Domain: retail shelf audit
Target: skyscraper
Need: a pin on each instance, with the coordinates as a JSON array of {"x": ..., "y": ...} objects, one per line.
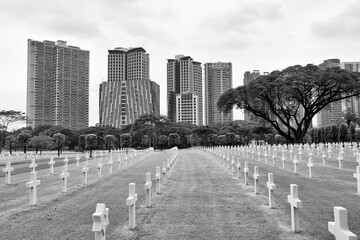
[
  {"x": 218, "y": 79},
  {"x": 248, "y": 77},
  {"x": 184, "y": 90},
  {"x": 331, "y": 114},
  {"x": 57, "y": 85},
  {"x": 129, "y": 93}
]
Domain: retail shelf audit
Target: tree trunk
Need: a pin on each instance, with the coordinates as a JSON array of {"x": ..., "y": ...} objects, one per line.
[
  {"x": 90, "y": 153},
  {"x": 58, "y": 151},
  {"x": 24, "y": 149},
  {"x": 10, "y": 145}
]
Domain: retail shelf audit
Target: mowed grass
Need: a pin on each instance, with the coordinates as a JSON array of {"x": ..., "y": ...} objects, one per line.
[{"x": 328, "y": 187}]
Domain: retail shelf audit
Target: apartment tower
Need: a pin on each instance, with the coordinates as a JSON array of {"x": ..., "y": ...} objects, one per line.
[
  {"x": 184, "y": 90},
  {"x": 57, "y": 85},
  {"x": 218, "y": 79},
  {"x": 128, "y": 93}
]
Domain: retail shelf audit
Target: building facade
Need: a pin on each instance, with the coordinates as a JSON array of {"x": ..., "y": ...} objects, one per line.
[
  {"x": 184, "y": 82},
  {"x": 129, "y": 93},
  {"x": 57, "y": 85},
  {"x": 248, "y": 77},
  {"x": 218, "y": 79}
]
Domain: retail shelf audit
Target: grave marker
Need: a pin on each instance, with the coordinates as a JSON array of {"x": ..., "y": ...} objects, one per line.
[
  {"x": 158, "y": 178},
  {"x": 51, "y": 163},
  {"x": 296, "y": 204},
  {"x": 85, "y": 170},
  {"x": 77, "y": 159},
  {"x": 357, "y": 176},
  {"x": 271, "y": 186},
  {"x": 66, "y": 161},
  {"x": 324, "y": 158},
  {"x": 256, "y": 180},
  {"x": 32, "y": 185},
  {"x": 100, "y": 221},
  {"x": 33, "y": 165},
  {"x": 148, "y": 186},
  {"x": 64, "y": 175},
  {"x": 110, "y": 165},
  {"x": 295, "y": 161},
  {"x": 246, "y": 172},
  {"x": 99, "y": 166},
  {"x": 238, "y": 167},
  {"x": 164, "y": 173},
  {"x": 7, "y": 172},
  {"x": 340, "y": 159},
  {"x": 310, "y": 164},
  {"x": 130, "y": 201},
  {"x": 339, "y": 228}
]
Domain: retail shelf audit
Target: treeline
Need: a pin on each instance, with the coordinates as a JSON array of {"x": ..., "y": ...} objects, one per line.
[
  {"x": 335, "y": 133},
  {"x": 147, "y": 131}
]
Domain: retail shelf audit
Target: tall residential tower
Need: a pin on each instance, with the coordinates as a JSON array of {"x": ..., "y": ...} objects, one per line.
[
  {"x": 184, "y": 90},
  {"x": 128, "y": 93},
  {"x": 218, "y": 79},
  {"x": 57, "y": 85}
]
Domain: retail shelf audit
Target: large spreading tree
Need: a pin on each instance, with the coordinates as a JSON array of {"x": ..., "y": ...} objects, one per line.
[
  {"x": 6, "y": 118},
  {"x": 290, "y": 98}
]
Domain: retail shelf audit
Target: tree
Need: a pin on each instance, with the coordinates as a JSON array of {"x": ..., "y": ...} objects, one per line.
[
  {"x": 290, "y": 98},
  {"x": 125, "y": 140},
  {"x": 222, "y": 140},
  {"x": 230, "y": 136},
  {"x": 343, "y": 133},
  {"x": 109, "y": 141},
  {"x": 145, "y": 141},
  {"x": 328, "y": 133},
  {"x": 10, "y": 142},
  {"x": 59, "y": 141},
  {"x": 91, "y": 142},
  {"x": 352, "y": 132},
  {"x": 41, "y": 142},
  {"x": 81, "y": 142},
  {"x": 162, "y": 141},
  {"x": 23, "y": 138},
  {"x": 349, "y": 116},
  {"x": 6, "y": 118},
  {"x": 173, "y": 140},
  {"x": 334, "y": 133}
]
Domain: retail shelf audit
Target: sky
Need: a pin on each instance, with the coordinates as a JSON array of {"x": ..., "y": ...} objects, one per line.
[{"x": 263, "y": 35}]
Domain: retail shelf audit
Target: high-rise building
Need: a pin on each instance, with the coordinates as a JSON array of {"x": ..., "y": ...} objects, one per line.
[
  {"x": 57, "y": 85},
  {"x": 218, "y": 79},
  {"x": 248, "y": 77},
  {"x": 129, "y": 93},
  {"x": 332, "y": 113},
  {"x": 352, "y": 103},
  {"x": 184, "y": 90}
]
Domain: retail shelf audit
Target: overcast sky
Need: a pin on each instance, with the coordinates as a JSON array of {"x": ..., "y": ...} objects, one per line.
[{"x": 260, "y": 35}]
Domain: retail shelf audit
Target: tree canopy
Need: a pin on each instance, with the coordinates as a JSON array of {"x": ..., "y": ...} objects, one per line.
[{"x": 290, "y": 98}]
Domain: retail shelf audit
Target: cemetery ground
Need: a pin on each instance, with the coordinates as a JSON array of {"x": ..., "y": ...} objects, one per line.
[{"x": 201, "y": 200}]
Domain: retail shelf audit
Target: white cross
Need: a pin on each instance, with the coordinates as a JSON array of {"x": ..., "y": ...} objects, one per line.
[
  {"x": 324, "y": 158},
  {"x": 77, "y": 160},
  {"x": 33, "y": 165},
  {"x": 283, "y": 162},
  {"x": 256, "y": 180},
  {"x": 64, "y": 175},
  {"x": 148, "y": 186},
  {"x": 99, "y": 166},
  {"x": 32, "y": 184},
  {"x": 339, "y": 228},
  {"x": 271, "y": 186},
  {"x": 85, "y": 170},
  {"x": 66, "y": 160},
  {"x": 158, "y": 178},
  {"x": 130, "y": 201},
  {"x": 51, "y": 163},
  {"x": 310, "y": 165},
  {"x": 295, "y": 161},
  {"x": 7, "y": 172},
  {"x": 265, "y": 157},
  {"x": 238, "y": 167},
  {"x": 295, "y": 203},
  {"x": 164, "y": 173},
  {"x": 357, "y": 176},
  {"x": 119, "y": 161},
  {"x": 246, "y": 172},
  {"x": 110, "y": 165},
  {"x": 100, "y": 221},
  {"x": 340, "y": 158}
]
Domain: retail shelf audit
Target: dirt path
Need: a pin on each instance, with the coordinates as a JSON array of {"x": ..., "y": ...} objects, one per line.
[{"x": 205, "y": 202}]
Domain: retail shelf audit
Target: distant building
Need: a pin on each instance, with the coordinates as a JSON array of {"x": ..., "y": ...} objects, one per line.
[
  {"x": 184, "y": 90},
  {"x": 353, "y": 103},
  {"x": 332, "y": 113},
  {"x": 218, "y": 79},
  {"x": 57, "y": 85},
  {"x": 129, "y": 93}
]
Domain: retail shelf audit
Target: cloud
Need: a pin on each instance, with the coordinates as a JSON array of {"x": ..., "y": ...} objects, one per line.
[{"x": 344, "y": 25}]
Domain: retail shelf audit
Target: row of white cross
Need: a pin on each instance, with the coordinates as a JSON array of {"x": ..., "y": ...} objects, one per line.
[
  {"x": 339, "y": 228},
  {"x": 34, "y": 182},
  {"x": 100, "y": 217}
]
